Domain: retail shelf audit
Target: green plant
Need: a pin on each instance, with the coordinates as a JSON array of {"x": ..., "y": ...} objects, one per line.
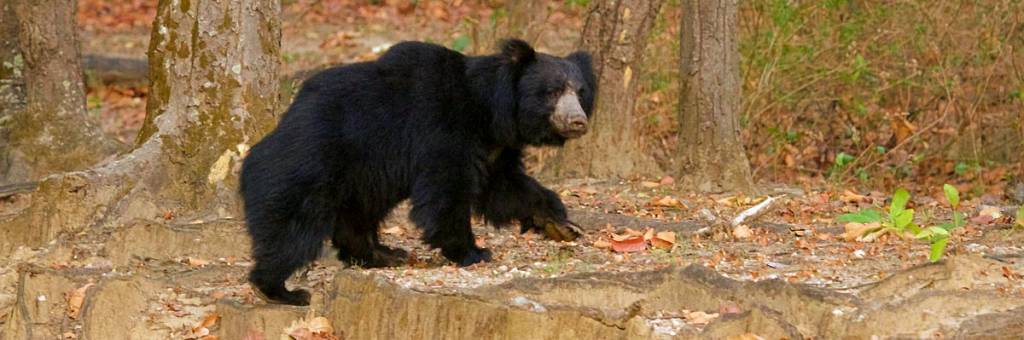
[
  {"x": 938, "y": 236},
  {"x": 900, "y": 221},
  {"x": 461, "y": 43}
]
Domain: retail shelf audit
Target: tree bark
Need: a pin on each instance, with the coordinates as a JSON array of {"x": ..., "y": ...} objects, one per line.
[
  {"x": 615, "y": 33},
  {"x": 213, "y": 68},
  {"x": 524, "y": 19},
  {"x": 710, "y": 150},
  {"x": 12, "y": 89},
  {"x": 53, "y": 132}
]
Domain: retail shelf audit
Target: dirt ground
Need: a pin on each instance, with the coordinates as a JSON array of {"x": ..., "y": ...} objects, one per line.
[
  {"x": 787, "y": 274},
  {"x": 783, "y": 280}
]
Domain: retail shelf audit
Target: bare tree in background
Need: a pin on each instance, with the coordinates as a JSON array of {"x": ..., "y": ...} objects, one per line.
[
  {"x": 213, "y": 68},
  {"x": 615, "y": 33},
  {"x": 710, "y": 149},
  {"x": 51, "y": 132}
]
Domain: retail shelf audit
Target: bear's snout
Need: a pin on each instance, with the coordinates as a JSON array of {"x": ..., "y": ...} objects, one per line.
[{"x": 569, "y": 119}]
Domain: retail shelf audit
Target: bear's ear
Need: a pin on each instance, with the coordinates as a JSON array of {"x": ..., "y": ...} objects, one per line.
[
  {"x": 585, "y": 63},
  {"x": 583, "y": 60},
  {"x": 518, "y": 51}
]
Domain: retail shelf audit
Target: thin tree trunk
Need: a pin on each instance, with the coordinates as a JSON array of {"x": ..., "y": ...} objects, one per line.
[
  {"x": 525, "y": 18},
  {"x": 53, "y": 133},
  {"x": 710, "y": 150},
  {"x": 615, "y": 33},
  {"x": 213, "y": 68}
]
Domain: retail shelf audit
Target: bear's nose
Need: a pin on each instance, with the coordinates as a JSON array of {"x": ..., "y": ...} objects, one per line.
[{"x": 578, "y": 123}]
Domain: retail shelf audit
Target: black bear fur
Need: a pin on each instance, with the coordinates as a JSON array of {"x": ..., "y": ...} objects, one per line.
[{"x": 422, "y": 122}]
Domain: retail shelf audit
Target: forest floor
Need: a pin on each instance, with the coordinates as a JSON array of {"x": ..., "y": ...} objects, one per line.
[
  {"x": 653, "y": 262},
  {"x": 789, "y": 273}
]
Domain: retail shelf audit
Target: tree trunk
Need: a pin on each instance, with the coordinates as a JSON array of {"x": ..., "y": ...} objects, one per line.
[
  {"x": 615, "y": 33},
  {"x": 525, "y": 18},
  {"x": 213, "y": 68},
  {"x": 710, "y": 150},
  {"x": 12, "y": 90},
  {"x": 53, "y": 133}
]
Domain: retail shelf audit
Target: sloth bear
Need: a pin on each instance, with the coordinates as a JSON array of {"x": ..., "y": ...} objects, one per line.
[{"x": 422, "y": 122}]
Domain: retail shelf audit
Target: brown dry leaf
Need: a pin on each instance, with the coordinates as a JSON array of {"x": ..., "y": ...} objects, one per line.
[
  {"x": 700, "y": 318},
  {"x": 649, "y": 234},
  {"x": 209, "y": 337},
  {"x": 987, "y": 215},
  {"x": 195, "y": 262},
  {"x": 587, "y": 190},
  {"x": 602, "y": 244},
  {"x": 396, "y": 230},
  {"x": 664, "y": 240},
  {"x": 647, "y": 184},
  {"x": 742, "y": 231},
  {"x": 902, "y": 129},
  {"x": 628, "y": 233},
  {"x": 628, "y": 244},
  {"x": 851, "y": 197},
  {"x": 667, "y": 180},
  {"x": 855, "y": 230},
  {"x": 75, "y": 299},
  {"x": 668, "y": 201},
  {"x": 318, "y": 328},
  {"x": 207, "y": 322}
]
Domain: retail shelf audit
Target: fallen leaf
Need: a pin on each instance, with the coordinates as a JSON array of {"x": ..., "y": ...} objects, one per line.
[
  {"x": 987, "y": 215},
  {"x": 742, "y": 231},
  {"x": 667, "y": 180},
  {"x": 208, "y": 321},
  {"x": 851, "y": 197},
  {"x": 317, "y": 328},
  {"x": 855, "y": 230},
  {"x": 628, "y": 244},
  {"x": 194, "y": 262},
  {"x": 668, "y": 201},
  {"x": 647, "y": 184},
  {"x": 700, "y": 318},
  {"x": 664, "y": 240},
  {"x": 649, "y": 234},
  {"x": 75, "y": 299},
  {"x": 602, "y": 244}
]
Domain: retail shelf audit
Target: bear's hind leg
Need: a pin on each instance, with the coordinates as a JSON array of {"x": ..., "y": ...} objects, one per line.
[
  {"x": 282, "y": 251},
  {"x": 355, "y": 236}
]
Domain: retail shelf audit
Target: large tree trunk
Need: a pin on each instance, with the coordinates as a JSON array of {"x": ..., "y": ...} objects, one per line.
[
  {"x": 710, "y": 150},
  {"x": 213, "y": 67},
  {"x": 12, "y": 89},
  {"x": 53, "y": 132},
  {"x": 615, "y": 33}
]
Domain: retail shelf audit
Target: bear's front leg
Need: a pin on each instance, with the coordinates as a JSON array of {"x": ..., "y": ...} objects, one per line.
[
  {"x": 441, "y": 208},
  {"x": 511, "y": 194}
]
